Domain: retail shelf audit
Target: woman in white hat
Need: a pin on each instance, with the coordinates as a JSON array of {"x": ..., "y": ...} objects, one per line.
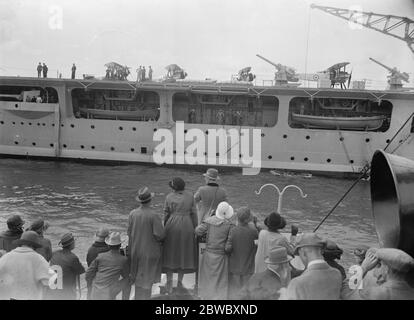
[{"x": 213, "y": 280}]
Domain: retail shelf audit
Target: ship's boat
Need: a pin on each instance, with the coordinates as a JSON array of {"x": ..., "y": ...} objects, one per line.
[
  {"x": 143, "y": 115},
  {"x": 368, "y": 123}
]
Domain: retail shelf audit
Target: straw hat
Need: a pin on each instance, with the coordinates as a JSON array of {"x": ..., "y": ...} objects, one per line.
[
  {"x": 224, "y": 211},
  {"x": 114, "y": 239}
]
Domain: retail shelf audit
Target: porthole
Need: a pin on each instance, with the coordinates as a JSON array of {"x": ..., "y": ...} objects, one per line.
[
  {"x": 206, "y": 131},
  {"x": 53, "y": 124},
  {"x": 1, "y": 122},
  {"x": 205, "y": 153},
  {"x": 240, "y": 155},
  {"x": 284, "y": 136},
  {"x": 92, "y": 126},
  {"x": 44, "y": 124},
  {"x": 64, "y": 146},
  {"x": 16, "y": 105},
  {"x": 262, "y": 135},
  {"x": 269, "y": 157},
  {"x": 92, "y": 147},
  {"x": 341, "y": 139},
  {"x": 22, "y": 123},
  {"x": 307, "y": 137},
  {"x": 72, "y": 125},
  {"x": 175, "y": 151},
  {"x": 112, "y": 148},
  {"x": 306, "y": 159},
  {"x": 33, "y": 143},
  {"x": 328, "y": 160},
  {"x": 351, "y": 161},
  {"x": 38, "y": 124},
  {"x": 134, "y": 129},
  {"x": 82, "y": 147},
  {"x": 120, "y": 128},
  {"x": 132, "y": 149},
  {"x": 62, "y": 125},
  {"x": 185, "y": 131},
  {"x": 217, "y": 154},
  {"x": 155, "y": 129},
  {"x": 13, "y": 123},
  {"x": 292, "y": 158},
  {"x": 30, "y": 123},
  {"x": 16, "y": 142},
  {"x": 388, "y": 141},
  {"x": 51, "y": 145},
  {"x": 367, "y": 140}
]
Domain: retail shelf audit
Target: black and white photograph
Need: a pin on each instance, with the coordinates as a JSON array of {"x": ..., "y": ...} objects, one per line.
[{"x": 214, "y": 153}]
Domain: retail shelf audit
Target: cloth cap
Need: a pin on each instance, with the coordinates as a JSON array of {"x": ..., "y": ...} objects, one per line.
[
  {"x": 114, "y": 239},
  {"x": 30, "y": 238},
  {"x": 332, "y": 250},
  {"x": 67, "y": 240},
  {"x": 277, "y": 255},
  {"x": 395, "y": 259},
  {"x": 309, "y": 240},
  {"x": 224, "y": 211},
  {"x": 244, "y": 214},
  {"x": 275, "y": 221},
  {"x": 177, "y": 184},
  {"x": 212, "y": 174},
  {"x": 38, "y": 225},
  {"x": 144, "y": 195},
  {"x": 15, "y": 221},
  {"x": 102, "y": 233}
]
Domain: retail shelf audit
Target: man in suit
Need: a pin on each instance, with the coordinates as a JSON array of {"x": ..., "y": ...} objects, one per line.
[
  {"x": 266, "y": 285},
  {"x": 319, "y": 281},
  {"x": 14, "y": 231}
]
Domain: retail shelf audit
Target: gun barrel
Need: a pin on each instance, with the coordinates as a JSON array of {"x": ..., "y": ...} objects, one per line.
[
  {"x": 263, "y": 58},
  {"x": 383, "y": 65}
]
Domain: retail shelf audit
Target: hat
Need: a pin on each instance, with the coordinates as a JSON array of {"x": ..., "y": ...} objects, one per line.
[
  {"x": 114, "y": 239},
  {"x": 332, "y": 250},
  {"x": 29, "y": 238},
  {"x": 15, "y": 221},
  {"x": 177, "y": 184},
  {"x": 102, "y": 233},
  {"x": 38, "y": 225},
  {"x": 67, "y": 240},
  {"x": 275, "y": 221},
  {"x": 224, "y": 210},
  {"x": 277, "y": 255},
  {"x": 309, "y": 240},
  {"x": 212, "y": 174},
  {"x": 395, "y": 259},
  {"x": 244, "y": 214},
  {"x": 144, "y": 195}
]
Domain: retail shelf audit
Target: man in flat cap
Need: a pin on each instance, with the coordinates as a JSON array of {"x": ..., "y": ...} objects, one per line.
[
  {"x": 15, "y": 229},
  {"x": 319, "y": 281},
  {"x": 392, "y": 265},
  {"x": 40, "y": 226}
]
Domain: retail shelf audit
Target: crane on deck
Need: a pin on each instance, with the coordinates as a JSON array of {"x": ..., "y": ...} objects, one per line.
[{"x": 398, "y": 27}]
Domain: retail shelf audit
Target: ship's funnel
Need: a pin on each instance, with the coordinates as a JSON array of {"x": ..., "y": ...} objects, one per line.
[{"x": 392, "y": 196}]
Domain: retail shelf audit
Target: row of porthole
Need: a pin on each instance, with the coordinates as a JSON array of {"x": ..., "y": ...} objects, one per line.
[
  {"x": 29, "y": 123},
  {"x": 307, "y": 159},
  {"x": 143, "y": 149}
]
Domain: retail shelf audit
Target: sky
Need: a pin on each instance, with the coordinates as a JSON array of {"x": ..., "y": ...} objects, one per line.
[{"x": 208, "y": 38}]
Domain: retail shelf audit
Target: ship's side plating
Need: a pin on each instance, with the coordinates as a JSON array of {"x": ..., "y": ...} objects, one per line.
[{"x": 54, "y": 129}]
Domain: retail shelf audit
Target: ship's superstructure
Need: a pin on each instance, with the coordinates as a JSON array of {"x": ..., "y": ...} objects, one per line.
[{"x": 310, "y": 129}]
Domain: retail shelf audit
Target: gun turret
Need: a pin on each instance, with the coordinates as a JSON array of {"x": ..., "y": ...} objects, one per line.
[
  {"x": 395, "y": 76},
  {"x": 283, "y": 73}
]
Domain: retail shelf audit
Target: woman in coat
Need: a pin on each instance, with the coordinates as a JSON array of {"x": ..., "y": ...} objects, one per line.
[
  {"x": 269, "y": 239},
  {"x": 179, "y": 250},
  {"x": 214, "y": 269}
]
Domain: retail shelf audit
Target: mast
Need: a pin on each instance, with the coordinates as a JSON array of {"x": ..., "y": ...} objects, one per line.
[{"x": 378, "y": 22}]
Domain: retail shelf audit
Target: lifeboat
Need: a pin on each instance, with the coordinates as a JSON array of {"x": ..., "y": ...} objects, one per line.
[{"x": 369, "y": 123}]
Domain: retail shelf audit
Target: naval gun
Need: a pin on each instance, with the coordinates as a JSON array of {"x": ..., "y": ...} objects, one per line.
[
  {"x": 283, "y": 73},
  {"x": 395, "y": 77}
]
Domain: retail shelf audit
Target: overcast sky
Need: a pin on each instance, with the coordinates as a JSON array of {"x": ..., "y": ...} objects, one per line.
[{"x": 208, "y": 38}]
